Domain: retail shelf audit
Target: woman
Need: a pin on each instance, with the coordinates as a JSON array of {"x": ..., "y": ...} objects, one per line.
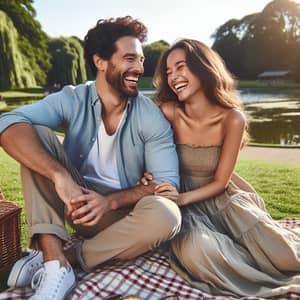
[{"x": 228, "y": 244}]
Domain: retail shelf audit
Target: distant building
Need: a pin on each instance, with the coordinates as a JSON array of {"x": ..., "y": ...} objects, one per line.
[{"x": 275, "y": 76}]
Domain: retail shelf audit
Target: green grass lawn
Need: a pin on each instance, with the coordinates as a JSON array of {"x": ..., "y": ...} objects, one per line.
[
  {"x": 277, "y": 183},
  {"x": 23, "y": 94}
]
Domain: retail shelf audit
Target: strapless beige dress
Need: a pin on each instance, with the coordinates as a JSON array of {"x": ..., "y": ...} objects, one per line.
[{"x": 229, "y": 244}]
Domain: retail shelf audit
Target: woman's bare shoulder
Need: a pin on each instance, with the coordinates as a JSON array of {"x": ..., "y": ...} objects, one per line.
[
  {"x": 168, "y": 109},
  {"x": 235, "y": 117}
]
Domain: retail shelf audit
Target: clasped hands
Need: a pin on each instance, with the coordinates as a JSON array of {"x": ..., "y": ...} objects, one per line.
[
  {"x": 163, "y": 189},
  {"x": 85, "y": 207}
]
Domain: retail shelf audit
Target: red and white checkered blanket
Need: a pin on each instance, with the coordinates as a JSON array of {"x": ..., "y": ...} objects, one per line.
[{"x": 148, "y": 276}]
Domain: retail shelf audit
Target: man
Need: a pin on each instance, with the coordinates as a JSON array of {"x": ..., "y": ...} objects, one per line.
[{"x": 113, "y": 135}]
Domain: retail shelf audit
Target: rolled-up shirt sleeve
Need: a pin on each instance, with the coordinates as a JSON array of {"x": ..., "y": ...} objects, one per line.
[
  {"x": 160, "y": 152},
  {"x": 50, "y": 112}
]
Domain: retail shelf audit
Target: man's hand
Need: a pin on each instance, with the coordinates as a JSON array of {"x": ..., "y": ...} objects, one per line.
[
  {"x": 167, "y": 190},
  {"x": 67, "y": 189},
  {"x": 92, "y": 206}
]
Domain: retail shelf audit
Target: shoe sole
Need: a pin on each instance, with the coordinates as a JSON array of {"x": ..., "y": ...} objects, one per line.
[
  {"x": 70, "y": 290},
  {"x": 18, "y": 268}
]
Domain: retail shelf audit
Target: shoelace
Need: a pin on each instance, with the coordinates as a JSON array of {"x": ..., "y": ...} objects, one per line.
[{"x": 38, "y": 280}]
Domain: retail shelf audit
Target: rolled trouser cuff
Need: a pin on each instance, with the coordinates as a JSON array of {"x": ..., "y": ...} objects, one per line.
[{"x": 36, "y": 229}]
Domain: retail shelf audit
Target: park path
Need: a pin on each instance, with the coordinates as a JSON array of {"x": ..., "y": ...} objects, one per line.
[{"x": 280, "y": 155}]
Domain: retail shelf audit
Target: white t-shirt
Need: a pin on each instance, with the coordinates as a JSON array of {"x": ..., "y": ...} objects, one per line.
[{"x": 101, "y": 163}]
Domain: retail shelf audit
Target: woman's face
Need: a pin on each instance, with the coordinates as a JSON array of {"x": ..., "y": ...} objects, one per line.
[{"x": 180, "y": 78}]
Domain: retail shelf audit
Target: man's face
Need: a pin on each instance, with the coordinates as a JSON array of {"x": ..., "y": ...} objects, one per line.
[{"x": 125, "y": 67}]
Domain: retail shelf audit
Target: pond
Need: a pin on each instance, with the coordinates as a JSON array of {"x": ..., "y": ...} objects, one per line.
[{"x": 274, "y": 116}]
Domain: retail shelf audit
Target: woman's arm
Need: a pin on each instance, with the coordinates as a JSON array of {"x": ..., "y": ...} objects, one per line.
[
  {"x": 233, "y": 134},
  {"x": 242, "y": 183}
]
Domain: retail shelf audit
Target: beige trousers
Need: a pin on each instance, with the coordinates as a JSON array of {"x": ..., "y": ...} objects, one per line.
[{"x": 120, "y": 234}]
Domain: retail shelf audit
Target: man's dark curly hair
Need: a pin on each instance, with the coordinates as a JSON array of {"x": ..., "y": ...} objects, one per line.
[{"x": 101, "y": 39}]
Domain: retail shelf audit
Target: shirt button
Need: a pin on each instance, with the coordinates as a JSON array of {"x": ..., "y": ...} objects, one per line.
[
  {"x": 93, "y": 139},
  {"x": 81, "y": 155}
]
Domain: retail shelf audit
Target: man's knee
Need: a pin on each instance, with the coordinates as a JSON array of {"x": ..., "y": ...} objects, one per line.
[
  {"x": 162, "y": 216},
  {"x": 42, "y": 131},
  {"x": 45, "y": 133}
]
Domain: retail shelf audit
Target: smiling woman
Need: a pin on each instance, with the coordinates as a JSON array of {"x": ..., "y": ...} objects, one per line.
[{"x": 226, "y": 228}]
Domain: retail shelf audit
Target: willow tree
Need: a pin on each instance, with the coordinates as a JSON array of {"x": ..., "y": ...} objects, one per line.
[
  {"x": 32, "y": 41},
  {"x": 67, "y": 59},
  {"x": 15, "y": 69}
]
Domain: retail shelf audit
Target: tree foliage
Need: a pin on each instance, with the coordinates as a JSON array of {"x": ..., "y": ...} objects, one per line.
[
  {"x": 32, "y": 41},
  {"x": 68, "y": 64},
  {"x": 15, "y": 68},
  {"x": 268, "y": 40},
  {"x": 152, "y": 53}
]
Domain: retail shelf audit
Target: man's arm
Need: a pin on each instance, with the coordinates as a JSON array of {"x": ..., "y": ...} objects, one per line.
[
  {"x": 20, "y": 141},
  {"x": 130, "y": 196},
  {"x": 160, "y": 159}
]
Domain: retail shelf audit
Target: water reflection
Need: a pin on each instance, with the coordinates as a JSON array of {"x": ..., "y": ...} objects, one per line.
[
  {"x": 275, "y": 122},
  {"x": 251, "y": 96}
]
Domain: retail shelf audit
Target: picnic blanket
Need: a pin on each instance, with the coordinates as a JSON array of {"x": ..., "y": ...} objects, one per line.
[{"x": 149, "y": 276}]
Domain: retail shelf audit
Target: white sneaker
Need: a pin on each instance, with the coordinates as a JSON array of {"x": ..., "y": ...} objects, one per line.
[
  {"x": 24, "y": 269},
  {"x": 53, "y": 282}
]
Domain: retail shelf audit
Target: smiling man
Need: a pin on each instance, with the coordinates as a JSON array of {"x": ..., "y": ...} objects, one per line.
[{"x": 113, "y": 134}]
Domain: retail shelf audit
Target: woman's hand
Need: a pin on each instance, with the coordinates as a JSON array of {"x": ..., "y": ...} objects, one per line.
[
  {"x": 167, "y": 190},
  {"x": 147, "y": 177}
]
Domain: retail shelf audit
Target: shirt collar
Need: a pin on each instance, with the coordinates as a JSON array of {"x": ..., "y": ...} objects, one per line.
[{"x": 95, "y": 97}]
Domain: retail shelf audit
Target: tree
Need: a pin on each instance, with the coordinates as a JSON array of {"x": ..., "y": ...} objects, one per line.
[
  {"x": 32, "y": 41},
  {"x": 15, "y": 69},
  {"x": 68, "y": 64},
  {"x": 228, "y": 43},
  {"x": 152, "y": 53},
  {"x": 264, "y": 41}
]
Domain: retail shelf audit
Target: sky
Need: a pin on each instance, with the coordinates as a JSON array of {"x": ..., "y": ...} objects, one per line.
[{"x": 166, "y": 20}]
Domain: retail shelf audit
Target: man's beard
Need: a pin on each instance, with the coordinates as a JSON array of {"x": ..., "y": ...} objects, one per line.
[{"x": 116, "y": 79}]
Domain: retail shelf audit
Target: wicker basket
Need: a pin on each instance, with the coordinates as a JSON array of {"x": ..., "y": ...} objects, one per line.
[{"x": 10, "y": 228}]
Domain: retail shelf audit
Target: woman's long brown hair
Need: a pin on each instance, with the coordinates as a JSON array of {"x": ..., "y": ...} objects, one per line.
[{"x": 217, "y": 82}]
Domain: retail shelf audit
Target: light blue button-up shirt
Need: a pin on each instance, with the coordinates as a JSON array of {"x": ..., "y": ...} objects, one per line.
[{"x": 145, "y": 140}]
